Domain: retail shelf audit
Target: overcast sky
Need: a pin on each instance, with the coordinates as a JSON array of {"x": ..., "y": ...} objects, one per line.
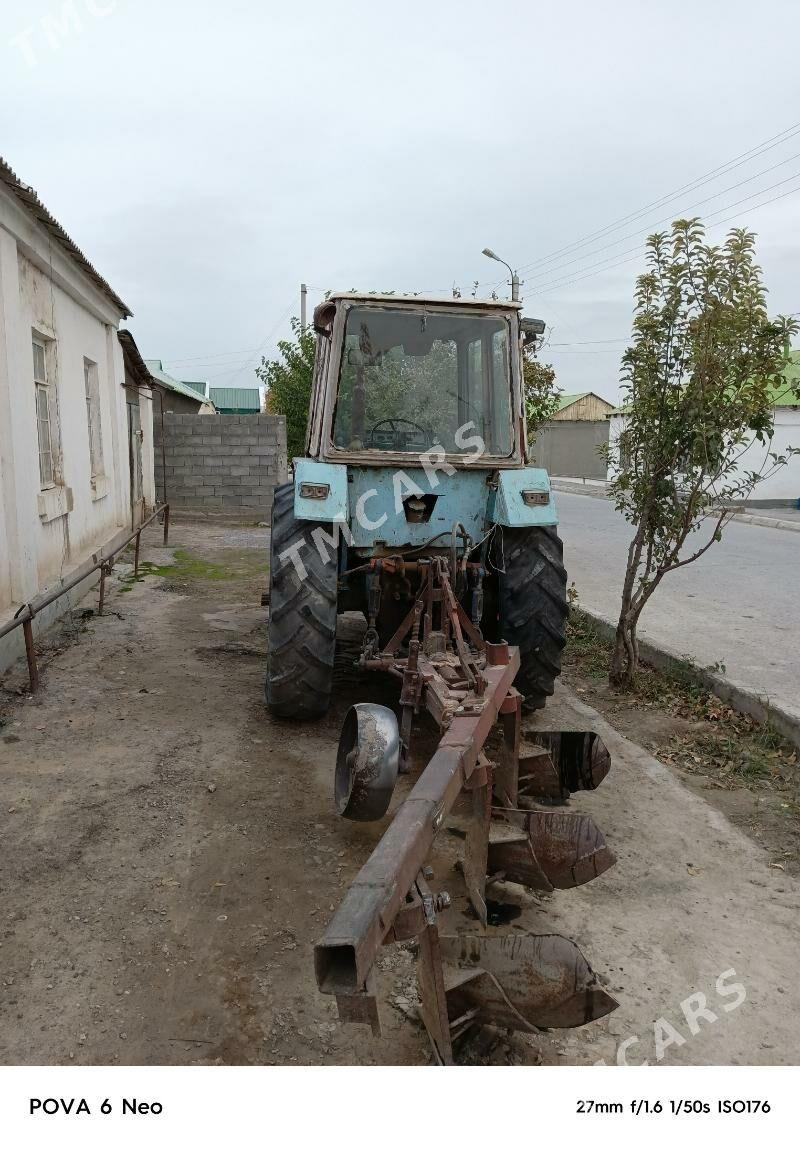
[{"x": 207, "y": 157}]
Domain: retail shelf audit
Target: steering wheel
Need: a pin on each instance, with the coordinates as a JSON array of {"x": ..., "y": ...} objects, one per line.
[{"x": 396, "y": 431}]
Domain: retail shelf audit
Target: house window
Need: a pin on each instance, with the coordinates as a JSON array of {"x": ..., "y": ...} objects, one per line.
[
  {"x": 43, "y": 415},
  {"x": 92, "y": 386}
]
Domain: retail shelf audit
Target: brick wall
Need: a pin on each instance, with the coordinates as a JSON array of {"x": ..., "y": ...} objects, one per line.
[{"x": 227, "y": 463}]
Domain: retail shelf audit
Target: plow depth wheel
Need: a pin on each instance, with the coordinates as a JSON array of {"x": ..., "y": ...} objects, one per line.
[{"x": 367, "y": 762}]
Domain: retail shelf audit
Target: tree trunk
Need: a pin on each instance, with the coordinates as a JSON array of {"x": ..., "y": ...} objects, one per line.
[{"x": 625, "y": 656}]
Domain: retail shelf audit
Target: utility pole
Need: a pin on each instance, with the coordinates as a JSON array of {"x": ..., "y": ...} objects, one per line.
[{"x": 303, "y": 294}]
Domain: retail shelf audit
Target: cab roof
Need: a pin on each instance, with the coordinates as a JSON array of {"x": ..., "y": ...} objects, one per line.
[{"x": 391, "y": 297}]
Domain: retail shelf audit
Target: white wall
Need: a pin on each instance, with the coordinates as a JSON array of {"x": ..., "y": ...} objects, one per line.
[
  {"x": 616, "y": 425},
  {"x": 783, "y": 485},
  {"x": 46, "y": 534}
]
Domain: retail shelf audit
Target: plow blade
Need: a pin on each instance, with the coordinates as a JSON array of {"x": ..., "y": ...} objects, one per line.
[
  {"x": 562, "y": 762},
  {"x": 520, "y": 981},
  {"x": 538, "y": 776},
  {"x": 545, "y": 850}
]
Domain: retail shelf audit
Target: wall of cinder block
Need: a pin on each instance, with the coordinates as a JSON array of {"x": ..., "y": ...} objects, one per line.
[{"x": 221, "y": 463}]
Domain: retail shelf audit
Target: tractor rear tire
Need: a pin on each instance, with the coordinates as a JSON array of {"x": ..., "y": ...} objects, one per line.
[
  {"x": 533, "y": 608},
  {"x": 302, "y": 618}
]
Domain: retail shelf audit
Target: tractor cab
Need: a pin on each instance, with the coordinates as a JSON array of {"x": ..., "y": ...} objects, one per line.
[{"x": 398, "y": 376}]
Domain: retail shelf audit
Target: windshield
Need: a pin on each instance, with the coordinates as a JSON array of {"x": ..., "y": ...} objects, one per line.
[{"x": 411, "y": 381}]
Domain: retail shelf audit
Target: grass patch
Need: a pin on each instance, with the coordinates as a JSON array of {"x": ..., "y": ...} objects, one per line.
[
  {"x": 188, "y": 566},
  {"x": 710, "y": 738},
  {"x": 192, "y": 568}
]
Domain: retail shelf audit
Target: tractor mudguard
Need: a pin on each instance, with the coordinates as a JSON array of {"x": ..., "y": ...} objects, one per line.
[
  {"x": 524, "y": 499},
  {"x": 320, "y": 491}
]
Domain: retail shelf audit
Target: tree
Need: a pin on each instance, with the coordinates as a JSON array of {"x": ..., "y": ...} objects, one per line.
[
  {"x": 699, "y": 383},
  {"x": 538, "y": 391},
  {"x": 288, "y": 380}
]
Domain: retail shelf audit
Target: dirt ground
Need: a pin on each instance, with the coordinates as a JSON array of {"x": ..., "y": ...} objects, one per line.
[
  {"x": 748, "y": 771},
  {"x": 170, "y": 856}
]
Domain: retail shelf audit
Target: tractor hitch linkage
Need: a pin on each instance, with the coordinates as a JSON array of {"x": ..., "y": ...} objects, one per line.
[{"x": 521, "y": 980}]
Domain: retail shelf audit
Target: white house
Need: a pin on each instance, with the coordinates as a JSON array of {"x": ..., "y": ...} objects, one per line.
[
  {"x": 780, "y": 489},
  {"x": 70, "y": 430}
]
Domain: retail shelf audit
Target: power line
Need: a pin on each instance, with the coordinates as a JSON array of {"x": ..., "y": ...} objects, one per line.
[
  {"x": 699, "y": 203},
  {"x": 610, "y": 265},
  {"x": 729, "y": 165},
  {"x": 203, "y": 369},
  {"x": 211, "y": 356},
  {"x": 236, "y": 372},
  {"x": 586, "y": 342}
]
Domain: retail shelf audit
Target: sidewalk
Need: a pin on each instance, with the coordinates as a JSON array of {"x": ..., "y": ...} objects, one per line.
[
  {"x": 783, "y": 518},
  {"x": 733, "y": 610}
]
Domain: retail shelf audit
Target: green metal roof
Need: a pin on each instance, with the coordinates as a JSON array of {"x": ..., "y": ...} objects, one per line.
[
  {"x": 198, "y": 385},
  {"x": 784, "y": 395},
  {"x": 568, "y": 400},
  {"x": 241, "y": 398},
  {"x": 156, "y": 369}
]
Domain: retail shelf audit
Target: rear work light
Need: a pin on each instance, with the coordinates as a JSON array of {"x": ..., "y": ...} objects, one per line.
[
  {"x": 536, "y": 498},
  {"x": 314, "y": 490}
]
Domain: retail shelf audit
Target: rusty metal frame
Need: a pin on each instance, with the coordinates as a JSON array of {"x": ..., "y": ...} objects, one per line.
[
  {"x": 102, "y": 563},
  {"x": 465, "y": 689},
  {"x": 466, "y": 685},
  {"x": 347, "y": 952}
]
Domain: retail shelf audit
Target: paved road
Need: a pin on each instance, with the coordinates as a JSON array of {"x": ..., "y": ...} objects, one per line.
[{"x": 738, "y": 604}]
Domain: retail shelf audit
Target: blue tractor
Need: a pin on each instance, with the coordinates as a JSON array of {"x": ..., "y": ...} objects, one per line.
[
  {"x": 416, "y": 450},
  {"x": 415, "y": 505}
]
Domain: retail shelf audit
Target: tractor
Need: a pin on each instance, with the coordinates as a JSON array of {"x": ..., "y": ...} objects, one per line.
[
  {"x": 415, "y": 505},
  {"x": 416, "y": 447}
]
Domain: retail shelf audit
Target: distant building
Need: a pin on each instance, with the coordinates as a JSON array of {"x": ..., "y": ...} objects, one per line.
[
  {"x": 582, "y": 405},
  {"x": 781, "y": 489},
  {"x": 180, "y": 396},
  {"x": 65, "y": 437},
  {"x": 236, "y": 400},
  {"x": 198, "y": 385},
  {"x": 570, "y": 444},
  {"x": 140, "y": 393}
]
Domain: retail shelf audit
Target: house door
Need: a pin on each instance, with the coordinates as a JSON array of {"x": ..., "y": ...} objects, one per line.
[{"x": 135, "y": 461}]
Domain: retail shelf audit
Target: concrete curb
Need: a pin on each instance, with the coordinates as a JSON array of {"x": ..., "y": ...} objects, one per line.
[
  {"x": 247, "y": 516},
  {"x": 741, "y": 698},
  {"x": 766, "y": 521},
  {"x": 594, "y": 490},
  {"x": 598, "y": 490}
]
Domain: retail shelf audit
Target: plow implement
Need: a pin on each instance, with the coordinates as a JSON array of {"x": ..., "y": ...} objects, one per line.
[{"x": 511, "y": 822}]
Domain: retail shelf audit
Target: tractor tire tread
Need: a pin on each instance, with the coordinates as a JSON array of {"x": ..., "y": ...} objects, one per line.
[
  {"x": 302, "y": 619},
  {"x": 533, "y": 609}
]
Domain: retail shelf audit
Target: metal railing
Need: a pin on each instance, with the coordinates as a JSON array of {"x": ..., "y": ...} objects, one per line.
[{"x": 104, "y": 563}]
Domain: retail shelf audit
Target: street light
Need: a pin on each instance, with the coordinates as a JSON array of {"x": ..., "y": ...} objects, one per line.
[{"x": 514, "y": 277}]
